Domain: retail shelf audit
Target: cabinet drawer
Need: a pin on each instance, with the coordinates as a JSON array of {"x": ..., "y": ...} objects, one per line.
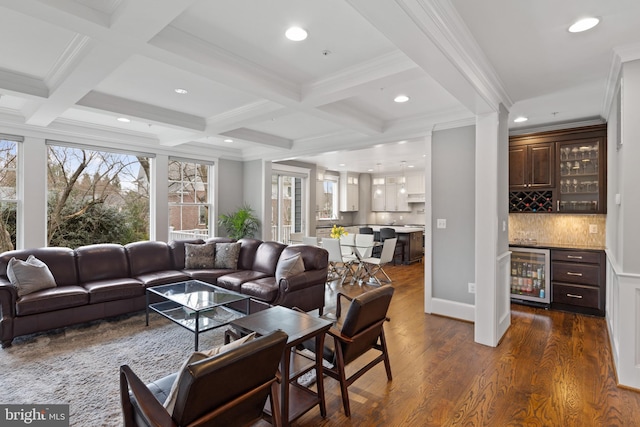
[
  {"x": 583, "y": 274},
  {"x": 576, "y": 256},
  {"x": 583, "y": 296}
]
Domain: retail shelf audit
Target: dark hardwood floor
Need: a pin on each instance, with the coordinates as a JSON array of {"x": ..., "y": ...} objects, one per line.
[{"x": 551, "y": 369}]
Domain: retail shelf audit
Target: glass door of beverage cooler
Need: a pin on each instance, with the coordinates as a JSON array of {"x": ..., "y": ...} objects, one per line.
[{"x": 530, "y": 272}]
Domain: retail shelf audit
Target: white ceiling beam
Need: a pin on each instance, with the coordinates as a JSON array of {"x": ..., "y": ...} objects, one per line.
[
  {"x": 245, "y": 115},
  {"x": 20, "y": 85},
  {"x": 143, "y": 19},
  {"x": 94, "y": 63},
  {"x": 260, "y": 138},
  {"x": 381, "y": 71},
  {"x": 431, "y": 33},
  {"x": 140, "y": 110}
]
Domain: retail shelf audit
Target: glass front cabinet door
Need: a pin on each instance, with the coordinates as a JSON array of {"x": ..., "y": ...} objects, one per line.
[{"x": 581, "y": 176}]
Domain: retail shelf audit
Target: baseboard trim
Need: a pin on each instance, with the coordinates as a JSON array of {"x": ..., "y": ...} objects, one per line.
[{"x": 453, "y": 309}]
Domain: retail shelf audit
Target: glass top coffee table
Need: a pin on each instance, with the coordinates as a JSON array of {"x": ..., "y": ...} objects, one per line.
[{"x": 196, "y": 306}]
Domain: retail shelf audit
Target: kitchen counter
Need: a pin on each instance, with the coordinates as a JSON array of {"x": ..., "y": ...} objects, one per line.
[
  {"x": 399, "y": 228},
  {"x": 556, "y": 246}
]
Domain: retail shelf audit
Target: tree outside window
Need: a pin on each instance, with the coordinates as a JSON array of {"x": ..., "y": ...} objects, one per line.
[
  {"x": 189, "y": 205},
  {"x": 8, "y": 194},
  {"x": 96, "y": 197}
]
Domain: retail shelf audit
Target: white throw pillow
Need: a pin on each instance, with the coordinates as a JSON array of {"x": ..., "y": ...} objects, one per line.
[
  {"x": 30, "y": 275},
  {"x": 289, "y": 267},
  {"x": 196, "y": 356}
]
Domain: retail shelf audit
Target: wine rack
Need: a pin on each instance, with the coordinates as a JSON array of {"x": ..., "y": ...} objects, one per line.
[{"x": 531, "y": 201}]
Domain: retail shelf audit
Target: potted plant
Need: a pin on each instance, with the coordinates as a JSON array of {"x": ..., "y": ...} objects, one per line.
[{"x": 239, "y": 224}]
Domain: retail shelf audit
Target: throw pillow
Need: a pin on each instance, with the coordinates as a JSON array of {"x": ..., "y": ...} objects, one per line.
[
  {"x": 199, "y": 256},
  {"x": 289, "y": 267},
  {"x": 30, "y": 275},
  {"x": 197, "y": 356},
  {"x": 227, "y": 255}
]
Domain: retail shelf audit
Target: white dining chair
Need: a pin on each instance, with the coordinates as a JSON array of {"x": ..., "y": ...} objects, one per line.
[
  {"x": 339, "y": 268},
  {"x": 310, "y": 240},
  {"x": 373, "y": 265}
]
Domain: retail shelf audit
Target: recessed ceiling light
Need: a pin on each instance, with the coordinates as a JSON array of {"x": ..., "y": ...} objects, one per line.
[
  {"x": 342, "y": 164},
  {"x": 296, "y": 34},
  {"x": 583, "y": 25},
  {"x": 402, "y": 142},
  {"x": 520, "y": 119},
  {"x": 228, "y": 140},
  {"x": 123, "y": 120},
  {"x": 181, "y": 91},
  {"x": 410, "y": 166},
  {"x": 401, "y": 98},
  {"x": 369, "y": 170}
]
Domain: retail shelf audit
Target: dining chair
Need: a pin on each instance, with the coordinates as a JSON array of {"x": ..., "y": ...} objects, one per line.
[
  {"x": 339, "y": 267},
  {"x": 363, "y": 249},
  {"x": 373, "y": 265},
  {"x": 365, "y": 230},
  {"x": 310, "y": 240}
]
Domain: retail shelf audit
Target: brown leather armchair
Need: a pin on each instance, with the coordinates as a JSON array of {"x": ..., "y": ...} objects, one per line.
[
  {"x": 229, "y": 389},
  {"x": 359, "y": 331}
]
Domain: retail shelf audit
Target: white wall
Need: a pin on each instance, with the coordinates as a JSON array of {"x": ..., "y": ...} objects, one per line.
[
  {"x": 623, "y": 229},
  {"x": 229, "y": 186}
]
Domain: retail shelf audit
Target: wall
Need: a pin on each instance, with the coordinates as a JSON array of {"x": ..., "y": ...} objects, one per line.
[
  {"x": 453, "y": 199},
  {"x": 256, "y": 178},
  {"x": 229, "y": 186},
  {"x": 558, "y": 229},
  {"x": 623, "y": 229}
]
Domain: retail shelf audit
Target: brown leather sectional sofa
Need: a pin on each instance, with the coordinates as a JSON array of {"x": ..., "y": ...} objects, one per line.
[{"x": 104, "y": 280}]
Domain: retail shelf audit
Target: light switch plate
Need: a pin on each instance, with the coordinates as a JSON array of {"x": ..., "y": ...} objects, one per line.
[{"x": 441, "y": 223}]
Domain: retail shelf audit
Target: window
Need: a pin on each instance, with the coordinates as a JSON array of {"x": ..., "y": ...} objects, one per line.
[
  {"x": 328, "y": 197},
  {"x": 8, "y": 193},
  {"x": 96, "y": 196},
  {"x": 189, "y": 204}
]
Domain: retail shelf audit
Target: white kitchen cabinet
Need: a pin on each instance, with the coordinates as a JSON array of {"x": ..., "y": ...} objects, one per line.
[
  {"x": 415, "y": 183},
  {"x": 377, "y": 194},
  {"x": 349, "y": 192},
  {"x": 386, "y": 194}
]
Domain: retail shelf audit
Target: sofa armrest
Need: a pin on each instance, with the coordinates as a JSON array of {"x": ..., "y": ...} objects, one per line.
[
  {"x": 303, "y": 280},
  {"x": 8, "y": 297}
]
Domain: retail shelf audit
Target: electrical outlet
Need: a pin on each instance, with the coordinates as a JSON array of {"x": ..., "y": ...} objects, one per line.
[
  {"x": 441, "y": 223},
  {"x": 472, "y": 288},
  {"x": 593, "y": 228}
]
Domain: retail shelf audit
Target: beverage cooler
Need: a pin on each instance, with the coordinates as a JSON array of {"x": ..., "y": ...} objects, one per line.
[{"x": 530, "y": 275}]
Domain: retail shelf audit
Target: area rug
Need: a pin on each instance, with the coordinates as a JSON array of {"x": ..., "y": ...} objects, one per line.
[{"x": 80, "y": 365}]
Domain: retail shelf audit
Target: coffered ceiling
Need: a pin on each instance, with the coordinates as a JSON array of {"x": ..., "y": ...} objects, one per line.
[{"x": 254, "y": 94}]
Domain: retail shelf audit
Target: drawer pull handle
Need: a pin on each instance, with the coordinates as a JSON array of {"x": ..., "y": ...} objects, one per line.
[
  {"x": 574, "y": 257},
  {"x": 574, "y": 274},
  {"x": 574, "y": 296}
]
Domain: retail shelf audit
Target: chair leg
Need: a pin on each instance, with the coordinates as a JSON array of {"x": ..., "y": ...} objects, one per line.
[
  {"x": 343, "y": 380},
  {"x": 387, "y": 364}
]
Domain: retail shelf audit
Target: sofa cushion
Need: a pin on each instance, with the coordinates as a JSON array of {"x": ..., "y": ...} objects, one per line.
[
  {"x": 162, "y": 277},
  {"x": 61, "y": 262},
  {"x": 248, "y": 248},
  {"x": 267, "y": 256},
  {"x": 148, "y": 256},
  {"x": 234, "y": 280},
  {"x": 208, "y": 275},
  {"x": 101, "y": 261},
  {"x": 199, "y": 256},
  {"x": 52, "y": 299},
  {"x": 265, "y": 289},
  {"x": 288, "y": 267},
  {"x": 113, "y": 289},
  {"x": 30, "y": 275},
  {"x": 227, "y": 255}
]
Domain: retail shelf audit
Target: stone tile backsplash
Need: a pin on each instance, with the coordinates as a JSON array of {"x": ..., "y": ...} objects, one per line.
[{"x": 558, "y": 229}]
